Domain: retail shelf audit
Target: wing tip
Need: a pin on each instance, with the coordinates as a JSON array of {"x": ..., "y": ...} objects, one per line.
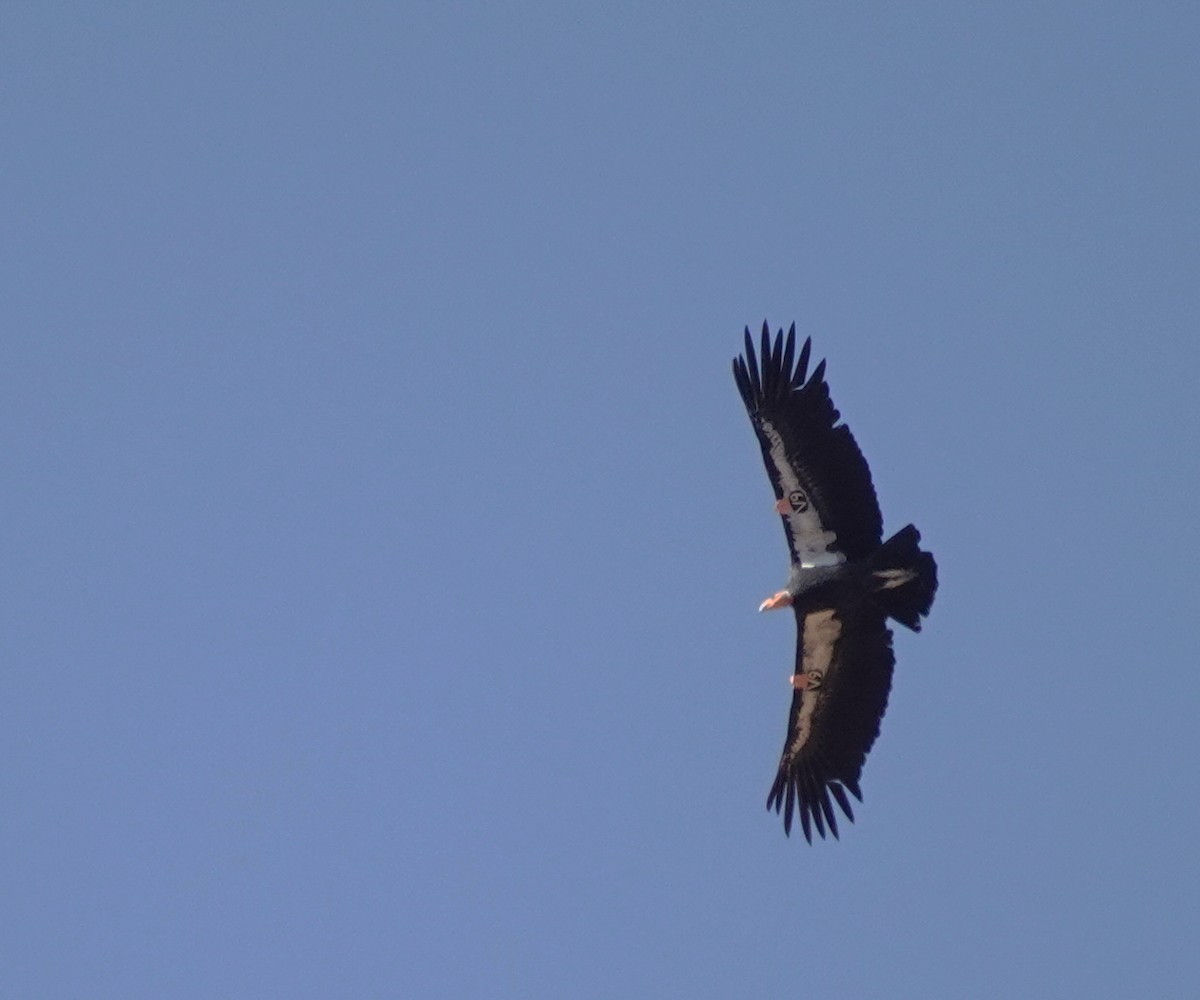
[
  {"x": 771, "y": 368},
  {"x": 807, "y": 797}
]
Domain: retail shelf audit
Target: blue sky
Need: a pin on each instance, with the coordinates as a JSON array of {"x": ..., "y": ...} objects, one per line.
[{"x": 383, "y": 532}]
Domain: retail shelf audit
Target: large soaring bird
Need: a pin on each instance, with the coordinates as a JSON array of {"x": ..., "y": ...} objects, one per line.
[{"x": 845, "y": 582}]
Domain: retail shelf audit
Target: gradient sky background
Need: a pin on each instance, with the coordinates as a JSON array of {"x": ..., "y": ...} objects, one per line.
[{"x": 383, "y": 532}]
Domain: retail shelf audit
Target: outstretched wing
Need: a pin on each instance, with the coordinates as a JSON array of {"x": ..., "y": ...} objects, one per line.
[
  {"x": 846, "y": 658},
  {"x": 813, "y": 461}
]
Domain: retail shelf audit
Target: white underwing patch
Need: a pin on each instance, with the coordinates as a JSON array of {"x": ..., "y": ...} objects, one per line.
[
  {"x": 822, "y": 630},
  {"x": 812, "y": 542}
]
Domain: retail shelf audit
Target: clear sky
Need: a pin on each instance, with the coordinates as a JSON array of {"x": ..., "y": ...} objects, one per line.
[{"x": 383, "y": 532}]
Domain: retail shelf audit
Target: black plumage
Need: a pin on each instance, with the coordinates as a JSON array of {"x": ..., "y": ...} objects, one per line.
[{"x": 843, "y": 586}]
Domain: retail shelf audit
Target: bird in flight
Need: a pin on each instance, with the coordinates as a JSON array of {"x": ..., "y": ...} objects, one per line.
[{"x": 844, "y": 586}]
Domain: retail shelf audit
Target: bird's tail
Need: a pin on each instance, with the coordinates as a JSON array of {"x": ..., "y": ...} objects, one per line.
[{"x": 905, "y": 578}]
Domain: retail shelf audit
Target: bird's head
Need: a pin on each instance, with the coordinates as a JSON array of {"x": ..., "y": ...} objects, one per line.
[{"x": 781, "y": 600}]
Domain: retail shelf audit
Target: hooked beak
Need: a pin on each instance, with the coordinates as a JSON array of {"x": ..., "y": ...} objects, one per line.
[{"x": 781, "y": 600}]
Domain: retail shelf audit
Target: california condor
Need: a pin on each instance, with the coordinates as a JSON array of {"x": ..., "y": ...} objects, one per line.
[{"x": 844, "y": 584}]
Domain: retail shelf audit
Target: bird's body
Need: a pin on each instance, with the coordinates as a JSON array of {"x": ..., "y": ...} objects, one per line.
[{"x": 844, "y": 584}]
